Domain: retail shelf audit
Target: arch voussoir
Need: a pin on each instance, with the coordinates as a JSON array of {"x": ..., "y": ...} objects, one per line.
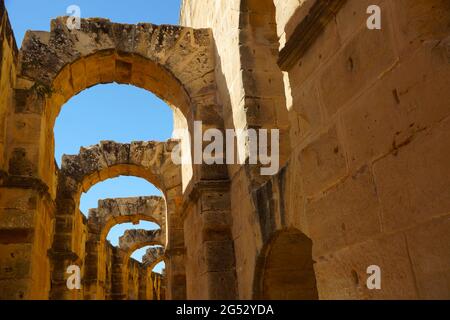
[
  {"x": 152, "y": 256},
  {"x": 138, "y": 238}
]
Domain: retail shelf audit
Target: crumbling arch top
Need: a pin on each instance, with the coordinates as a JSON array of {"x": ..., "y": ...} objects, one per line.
[
  {"x": 135, "y": 239},
  {"x": 174, "y": 62},
  {"x": 153, "y": 256},
  {"x": 111, "y": 212},
  {"x": 149, "y": 160}
]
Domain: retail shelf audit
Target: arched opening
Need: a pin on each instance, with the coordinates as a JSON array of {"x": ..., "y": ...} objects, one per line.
[
  {"x": 111, "y": 270},
  {"x": 159, "y": 267},
  {"x": 152, "y": 257},
  {"x": 106, "y": 265},
  {"x": 119, "y": 187},
  {"x": 285, "y": 270},
  {"x": 153, "y": 280},
  {"x": 175, "y": 63},
  {"x": 139, "y": 281},
  {"x": 113, "y": 112},
  {"x": 133, "y": 74}
]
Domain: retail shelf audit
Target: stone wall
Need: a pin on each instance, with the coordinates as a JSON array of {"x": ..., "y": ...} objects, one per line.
[
  {"x": 366, "y": 179},
  {"x": 26, "y": 210},
  {"x": 369, "y": 122},
  {"x": 364, "y": 130},
  {"x": 251, "y": 87},
  {"x": 8, "y": 61}
]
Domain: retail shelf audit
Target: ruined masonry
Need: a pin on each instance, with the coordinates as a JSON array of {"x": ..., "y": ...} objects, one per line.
[{"x": 364, "y": 174}]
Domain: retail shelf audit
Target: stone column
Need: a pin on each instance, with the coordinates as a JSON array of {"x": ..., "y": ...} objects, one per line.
[
  {"x": 93, "y": 287},
  {"x": 62, "y": 254},
  {"x": 175, "y": 250},
  {"x": 118, "y": 289},
  {"x": 210, "y": 262}
]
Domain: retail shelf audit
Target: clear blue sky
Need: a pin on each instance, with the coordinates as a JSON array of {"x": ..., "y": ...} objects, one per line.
[{"x": 105, "y": 112}]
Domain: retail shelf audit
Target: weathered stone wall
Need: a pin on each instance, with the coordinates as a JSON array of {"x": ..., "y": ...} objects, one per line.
[
  {"x": 369, "y": 128},
  {"x": 26, "y": 209},
  {"x": 8, "y": 61},
  {"x": 250, "y": 85},
  {"x": 367, "y": 177},
  {"x": 155, "y": 286},
  {"x": 104, "y": 288},
  {"x": 364, "y": 123},
  {"x": 133, "y": 279}
]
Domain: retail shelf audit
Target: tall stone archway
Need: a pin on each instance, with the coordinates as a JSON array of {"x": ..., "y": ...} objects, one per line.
[
  {"x": 175, "y": 63},
  {"x": 111, "y": 212},
  {"x": 155, "y": 289},
  {"x": 148, "y": 160},
  {"x": 133, "y": 240}
]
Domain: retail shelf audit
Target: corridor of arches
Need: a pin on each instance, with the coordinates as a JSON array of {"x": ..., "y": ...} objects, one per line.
[{"x": 122, "y": 113}]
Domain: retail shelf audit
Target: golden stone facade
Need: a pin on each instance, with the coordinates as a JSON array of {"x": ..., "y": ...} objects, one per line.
[{"x": 364, "y": 128}]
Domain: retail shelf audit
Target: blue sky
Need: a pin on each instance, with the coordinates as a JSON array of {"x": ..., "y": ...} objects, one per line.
[{"x": 106, "y": 112}]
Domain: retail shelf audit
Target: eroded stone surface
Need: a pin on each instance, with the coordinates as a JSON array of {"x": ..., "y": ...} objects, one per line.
[
  {"x": 364, "y": 124},
  {"x": 153, "y": 255},
  {"x": 135, "y": 239}
]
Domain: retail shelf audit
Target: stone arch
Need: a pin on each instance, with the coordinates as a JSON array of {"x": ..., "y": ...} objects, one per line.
[
  {"x": 175, "y": 63},
  {"x": 153, "y": 256},
  {"x": 131, "y": 241},
  {"x": 148, "y": 160},
  {"x": 135, "y": 239},
  {"x": 111, "y": 212},
  {"x": 285, "y": 268}
]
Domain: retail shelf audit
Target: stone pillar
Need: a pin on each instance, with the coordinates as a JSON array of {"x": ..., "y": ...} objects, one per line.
[
  {"x": 210, "y": 254},
  {"x": 62, "y": 254},
  {"x": 93, "y": 286},
  {"x": 175, "y": 250},
  {"x": 26, "y": 231},
  {"x": 118, "y": 285},
  {"x": 176, "y": 274}
]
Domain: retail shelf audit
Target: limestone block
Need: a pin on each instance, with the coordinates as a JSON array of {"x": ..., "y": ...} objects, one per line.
[
  {"x": 215, "y": 200},
  {"x": 347, "y": 214},
  {"x": 368, "y": 55},
  {"x": 372, "y": 126},
  {"x": 15, "y": 261},
  {"x": 221, "y": 285},
  {"x": 323, "y": 48},
  {"x": 14, "y": 289},
  {"x": 352, "y": 17},
  {"x": 343, "y": 274},
  {"x": 429, "y": 247},
  {"x": 218, "y": 256},
  {"x": 408, "y": 100},
  {"x": 308, "y": 108},
  {"x": 25, "y": 129},
  {"x": 419, "y": 21},
  {"x": 413, "y": 184},
  {"x": 323, "y": 162}
]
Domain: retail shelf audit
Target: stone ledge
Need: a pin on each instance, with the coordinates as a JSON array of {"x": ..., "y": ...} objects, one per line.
[{"x": 307, "y": 31}]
